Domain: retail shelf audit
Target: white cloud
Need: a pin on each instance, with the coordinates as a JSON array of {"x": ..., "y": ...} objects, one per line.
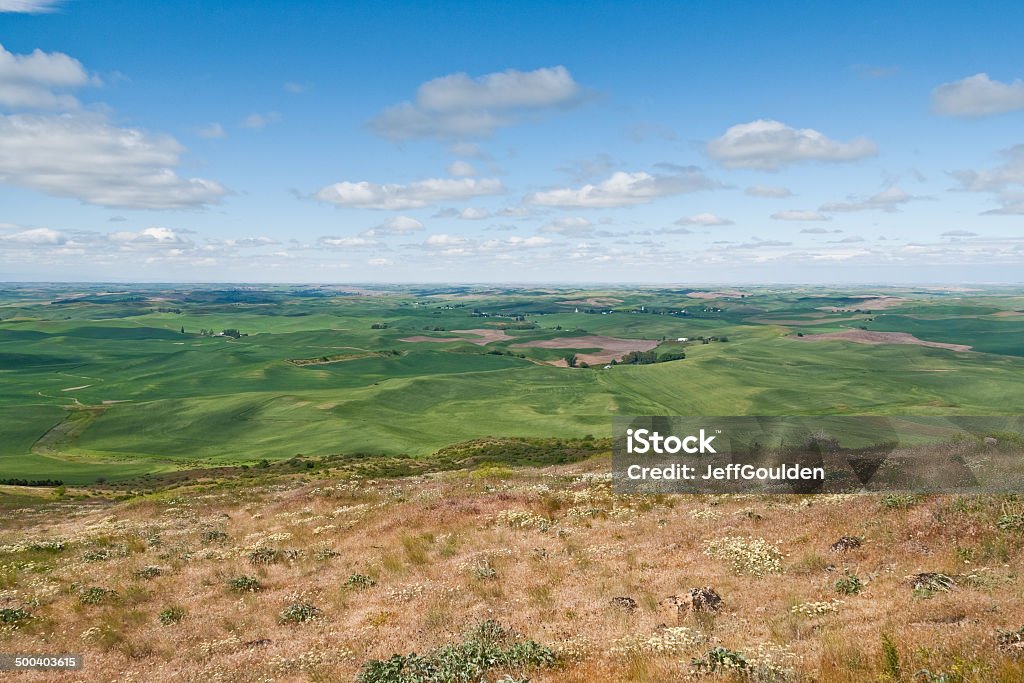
[
  {"x": 888, "y": 200},
  {"x": 575, "y": 226},
  {"x": 442, "y": 240},
  {"x": 771, "y": 191},
  {"x": 474, "y": 214},
  {"x": 150, "y": 236},
  {"x": 959, "y": 233},
  {"x": 769, "y": 145},
  {"x": 357, "y": 242},
  {"x": 29, "y": 6},
  {"x": 459, "y": 106},
  {"x": 705, "y": 219},
  {"x": 35, "y": 236},
  {"x": 85, "y": 157},
  {"x": 977, "y": 96},
  {"x": 461, "y": 169},
  {"x": 211, "y": 131},
  {"x": 381, "y": 262},
  {"x": 625, "y": 189},
  {"x": 257, "y": 121},
  {"x": 30, "y": 81},
  {"x": 366, "y": 195},
  {"x": 399, "y": 225},
  {"x": 1005, "y": 181},
  {"x": 818, "y": 231},
  {"x": 798, "y": 215}
]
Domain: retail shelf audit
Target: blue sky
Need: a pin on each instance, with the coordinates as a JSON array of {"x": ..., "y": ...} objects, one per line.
[{"x": 511, "y": 142}]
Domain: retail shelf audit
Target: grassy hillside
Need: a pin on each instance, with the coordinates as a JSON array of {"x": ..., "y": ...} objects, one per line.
[
  {"x": 320, "y": 576},
  {"x": 106, "y": 384}
]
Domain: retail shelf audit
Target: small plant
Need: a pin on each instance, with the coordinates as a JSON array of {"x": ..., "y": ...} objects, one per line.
[
  {"x": 890, "y": 657},
  {"x": 171, "y": 616},
  {"x": 14, "y": 616},
  {"x": 322, "y": 554},
  {"x": 898, "y": 501},
  {"x": 96, "y": 595},
  {"x": 720, "y": 660},
  {"x": 264, "y": 555},
  {"x": 245, "y": 584},
  {"x": 298, "y": 612},
  {"x": 752, "y": 556},
  {"x": 147, "y": 572},
  {"x": 927, "y": 584},
  {"x": 359, "y": 581},
  {"x": 483, "y": 571},
  {"x": 214, "y": 536},
  {"x": 849, "y": 584}
]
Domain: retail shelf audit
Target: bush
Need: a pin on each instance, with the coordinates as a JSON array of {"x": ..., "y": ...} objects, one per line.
[
  {"x": 850, "y": 584},
  {"x": 720, "y": 660},
  {"x": 359, "y": 581},
  {"x": 96, "y": 595},
  {"x": 214, "y": 536},
  {"x": 484, "y": 647},
  {"x": 147, "y": 572},
  {"x": 264, "y": 556},
  {"x": 14, "y": 616},
  {"x": 298, "y": 612},
  {"x": 171, "y": 615},
  {"x": 245, "y": 584}
]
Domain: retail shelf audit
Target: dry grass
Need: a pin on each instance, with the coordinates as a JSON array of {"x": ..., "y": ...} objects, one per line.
[{"x": 543, "y": 552}]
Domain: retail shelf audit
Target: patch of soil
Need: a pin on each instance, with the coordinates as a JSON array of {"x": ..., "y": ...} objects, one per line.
[
  {"x": 876, "y": 338},
  {"x": 483, "y": 337},
  {"x": 611, "y": 348}
]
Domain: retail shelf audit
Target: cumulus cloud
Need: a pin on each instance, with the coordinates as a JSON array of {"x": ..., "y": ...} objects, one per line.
[
  {"x": 87, "y": 158},
  {"x": 366, "y": 195},
  {"x": 769, "y": 145},
  {"x": 34, "y": 236},
  {"x": 357, "y": 242},
  {"x": 29, "y": 6},
  {"x": 574, "y": 226},
  {"x": 474, "y": 214},
  {"x": 818, "y": 231},
  {"x": 799, "y": 215},
  {"x": 399, "y": 225},
  {"x": 460, "y": 106},
  {"x": 977, "y": 96},
  {"x": 149, "y": 236},
  {"x": 771, "y": 191},
  {"x": 706, "y": 219},
  {"x": 887, "y": 200},
  {"x": 35, "y": 81},
  {"x": 626, "y": 189}
]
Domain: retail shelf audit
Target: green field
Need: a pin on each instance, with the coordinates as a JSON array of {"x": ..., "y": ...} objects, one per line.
[{"x": 101, "y": 381}]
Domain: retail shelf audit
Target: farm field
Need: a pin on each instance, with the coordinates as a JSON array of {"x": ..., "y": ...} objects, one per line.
[{"x": 108, "y": 383}]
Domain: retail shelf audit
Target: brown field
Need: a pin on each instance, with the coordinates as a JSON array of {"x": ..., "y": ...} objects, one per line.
[
  {"x": 715, "y": 295},
  {"x": 869, "y": 302},
  {"x": 483, "y": 337},
  {"x": 874, "y": 338},
  {"x": 603, "y": 301},
  {"x": 542, "y": 551},
  {"x": 612, "y": 348}
]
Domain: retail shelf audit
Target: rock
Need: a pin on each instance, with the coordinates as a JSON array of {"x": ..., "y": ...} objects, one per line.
[
  {"x": 845, "y": 543},
  {"x": 624, "y": 603},
  {"x": 704, "y": 599},
  {"x": 991, "y": 441}
]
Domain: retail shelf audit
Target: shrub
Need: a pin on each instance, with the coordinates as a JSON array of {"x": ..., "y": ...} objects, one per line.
[
  {"x": 96, "y": 595},
  {"x": 245, "y": 584},
  {"x": 720, "y": 660},
  {"x": 484, "y": 647},
  {"x": 752, "y": 556},
  {"x": 850, "y": 584},
  {"x": 264, "y": 556},
  {"x": 147, "y": 572},
  {"x": 14, "y": 616},
  {"x": 359, "y": 581},
  {"x": 171, "y": 615},
  {"x": 214, "y": 536},
  {"x": 298, "y": 612}
]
